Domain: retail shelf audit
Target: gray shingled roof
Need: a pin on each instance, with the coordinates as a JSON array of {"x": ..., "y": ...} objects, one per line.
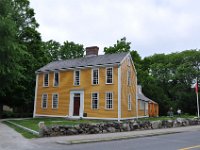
[{"x": 85, "y": 61}]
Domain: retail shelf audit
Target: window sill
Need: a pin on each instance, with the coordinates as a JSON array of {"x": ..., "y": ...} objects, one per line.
[
  {"x": 109, "y": 83},
  {"x": 45, "y": 86},
  {"x": 95, "y": 84},
  {"x": 109, "y": 109}
]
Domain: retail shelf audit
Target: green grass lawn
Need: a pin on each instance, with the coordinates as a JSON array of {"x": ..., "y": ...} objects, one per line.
[
  {"x": 165, "y": 118},
  {"x": 33, "y": 123}
]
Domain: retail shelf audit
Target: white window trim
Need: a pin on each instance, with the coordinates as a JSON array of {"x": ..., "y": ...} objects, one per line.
[
  {"x": 112, "y": 101},
  {"x": 52, "y": 100},
  {"x": 42, "y": 101},
  {"x": 44, "y": 80},
  {"x": 75, "y": 77},
  {"x": 93, "y": 74},
  {"x": 112, "y": 75},
  {"x": 129, "y": 102},
  {"x": 58, "y": 79},
  {"x": 92, "y": 101}
]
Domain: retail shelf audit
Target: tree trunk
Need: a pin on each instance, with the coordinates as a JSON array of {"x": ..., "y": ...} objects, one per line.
[{"x": 1, "y": 110}]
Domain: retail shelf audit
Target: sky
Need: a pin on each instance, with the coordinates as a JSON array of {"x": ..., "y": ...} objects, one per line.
[{"x": 152, "y": 26}]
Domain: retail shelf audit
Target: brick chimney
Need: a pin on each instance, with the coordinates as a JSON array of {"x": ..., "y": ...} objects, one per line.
[{"x": 92, "y": 51}]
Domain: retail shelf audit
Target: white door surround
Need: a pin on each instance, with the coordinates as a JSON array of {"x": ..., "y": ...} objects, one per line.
[{"x": 71, "y": 104}]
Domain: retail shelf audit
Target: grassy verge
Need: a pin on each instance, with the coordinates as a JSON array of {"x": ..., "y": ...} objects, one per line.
[
  {"x": 165, "y": 118},
  {"x": 33, "y": 123},
  {"x": 21, "y": 131}
]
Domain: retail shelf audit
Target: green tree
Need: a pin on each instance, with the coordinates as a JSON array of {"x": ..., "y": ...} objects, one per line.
[
  {"x": 53, "y": 49},
  {"x": 34, "y": 58},
  {"x": 11, "y": 52},
  {"x": 21, "y": 54},
  {"x": 70, "y": 50},
  {"x": 121, "y": 46},
  {"x": 167, "y": 79}
]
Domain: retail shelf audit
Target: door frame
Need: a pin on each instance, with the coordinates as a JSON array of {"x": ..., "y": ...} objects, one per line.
[{"x": 71, "y": 104}]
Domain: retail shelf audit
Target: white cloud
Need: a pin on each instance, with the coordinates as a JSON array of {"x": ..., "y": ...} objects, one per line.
[{"x": 153, "y": 26}]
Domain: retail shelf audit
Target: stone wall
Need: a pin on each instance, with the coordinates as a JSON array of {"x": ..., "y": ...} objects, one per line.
[{"x": 109, "y": 127}]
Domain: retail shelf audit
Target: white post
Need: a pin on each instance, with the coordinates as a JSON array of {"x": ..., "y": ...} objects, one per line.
[
  {"x": 198, "y": 103},
  {"x": 197, "y": 97}
]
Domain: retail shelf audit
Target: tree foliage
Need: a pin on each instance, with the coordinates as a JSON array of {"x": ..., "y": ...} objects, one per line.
[
  {"x": 70, "y": 50},
  {"x": 121, "y": 46},
  {"x": 167, "y": 79}
]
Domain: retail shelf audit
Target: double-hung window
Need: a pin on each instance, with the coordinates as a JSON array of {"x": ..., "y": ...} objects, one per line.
[
  {"x": 46, "y": 80},
  {"x": 44, "y": 100},
  {"x": 56, "y": 79},
  {"x": 77, "y": 77},
  {"x": 95, "y": 100},
  {"x": 109, "y": 75},
  {"x": 95, "y": 76},
  {"x": 109, "y": 100},
  {"x": 129, "y": 102},
  {"x": 129, "y": 78},
  {"x": 55, "y": 101}
]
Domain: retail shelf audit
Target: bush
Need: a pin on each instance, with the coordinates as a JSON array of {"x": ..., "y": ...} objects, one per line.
[{"x": 7, "y": 114}]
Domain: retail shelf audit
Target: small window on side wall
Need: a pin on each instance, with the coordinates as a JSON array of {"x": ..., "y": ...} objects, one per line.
[
  {"x": 46, "y": 80},
  {"x": 129, "y": 102},
  {"x": 129, "y": 62},
  {"x": 129, "y": 77}
]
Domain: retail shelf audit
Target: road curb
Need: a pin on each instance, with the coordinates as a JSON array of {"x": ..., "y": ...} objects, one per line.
[{"x": 131, "y": 136}]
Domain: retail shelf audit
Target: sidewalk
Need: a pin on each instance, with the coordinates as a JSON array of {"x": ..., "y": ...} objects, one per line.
[
  {"x": 12, "y": 140},
  {"x": 78, "y": 139}
]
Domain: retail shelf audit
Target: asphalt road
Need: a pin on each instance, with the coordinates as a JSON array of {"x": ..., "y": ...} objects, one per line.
[
  {"x": 163, "y": 142},
  {"x": 11, "y": 140}
]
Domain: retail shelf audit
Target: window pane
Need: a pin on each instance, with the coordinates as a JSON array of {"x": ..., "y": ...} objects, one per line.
[
  {"x": 55, "y": 100},
  {"x": 109, "y": 100},
  {"x": 95, "y": 100},
  {"x": 129, "y": 102},
  {"x": 56, "y": 79},
  {"x": 44, "y": 101},
  {"x": 109, "y": 75},
  {"x": 77, "y": 78},
  {"x": 95, "y": 76},
  {"x": 46, "y": 79}
]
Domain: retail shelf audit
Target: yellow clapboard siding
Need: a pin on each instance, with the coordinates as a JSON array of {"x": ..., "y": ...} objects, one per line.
[
  {"x": 66, "y": 85},
  {"x": 128, "y": 90}
]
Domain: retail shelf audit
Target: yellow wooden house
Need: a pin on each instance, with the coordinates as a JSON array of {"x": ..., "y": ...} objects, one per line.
[{"x": 92, "y": 87}]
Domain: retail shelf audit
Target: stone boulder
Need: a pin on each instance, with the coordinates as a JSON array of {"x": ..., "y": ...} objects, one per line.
[{"x": 156, "y": 124}]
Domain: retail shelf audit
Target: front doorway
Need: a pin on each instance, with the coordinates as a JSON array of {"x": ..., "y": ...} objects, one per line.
[{"x": 76, "y": 106}]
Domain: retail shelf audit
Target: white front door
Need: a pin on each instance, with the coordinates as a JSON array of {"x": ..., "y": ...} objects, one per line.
[{"x": 76, "y": 106}]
